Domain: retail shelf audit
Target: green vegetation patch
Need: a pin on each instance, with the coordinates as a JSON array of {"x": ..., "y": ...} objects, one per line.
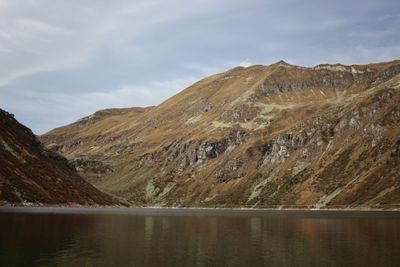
[
  {"x": 167, "y": 189},
  {"x": 258, "y": 189},
  {"x": 151, "y": 190},
  {"x": 275, "y": 192},
  {"x": 10, "y": 150}
]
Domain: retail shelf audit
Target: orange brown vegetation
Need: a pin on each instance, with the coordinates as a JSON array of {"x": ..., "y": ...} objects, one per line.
[
  {"x": 262, "y": 136},
  {"x": 32, "y": 175}
]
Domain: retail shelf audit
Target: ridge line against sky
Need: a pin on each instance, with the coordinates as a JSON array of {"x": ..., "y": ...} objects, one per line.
[{"x": 62, "y": 60}]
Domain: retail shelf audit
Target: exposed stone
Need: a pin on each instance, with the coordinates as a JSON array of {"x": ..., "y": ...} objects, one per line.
[
  {"x": 230, "y": 171},
  {"x": 95, "y": 166},
  {"x": 277, "y": 150},
  {"x": 305, "y": 153}
]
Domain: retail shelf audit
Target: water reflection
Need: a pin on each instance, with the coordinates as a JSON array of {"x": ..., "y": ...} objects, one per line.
[{"x": 126, "y": 240}]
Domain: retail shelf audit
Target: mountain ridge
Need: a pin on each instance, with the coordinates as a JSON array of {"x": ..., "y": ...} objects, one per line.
[{"x": 256, "y": 136}]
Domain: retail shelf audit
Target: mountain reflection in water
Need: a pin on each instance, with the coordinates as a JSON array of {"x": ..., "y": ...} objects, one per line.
[{"x": 198, "y": 238}]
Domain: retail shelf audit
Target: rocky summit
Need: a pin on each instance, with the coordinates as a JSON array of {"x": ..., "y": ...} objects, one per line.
[
  {"x": 261, "y": 136},
  {"x": 32, "y": 175}
]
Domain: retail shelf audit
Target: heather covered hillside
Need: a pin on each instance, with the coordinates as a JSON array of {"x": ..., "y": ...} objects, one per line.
[
  {"x": 260, "y": 136},
  {"x": 32, "y": 175}
]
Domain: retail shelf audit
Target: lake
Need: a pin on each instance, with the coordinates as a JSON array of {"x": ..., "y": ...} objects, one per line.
[{"x": 182, "y": 237}]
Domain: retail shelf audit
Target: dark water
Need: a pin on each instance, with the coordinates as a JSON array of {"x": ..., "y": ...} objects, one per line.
[{"x": 61, "y": 237}]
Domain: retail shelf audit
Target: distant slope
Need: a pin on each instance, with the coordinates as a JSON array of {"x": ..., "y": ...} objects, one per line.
[
  {"x": 261, "y": 136},
  {"x": 29, "y": 174}
]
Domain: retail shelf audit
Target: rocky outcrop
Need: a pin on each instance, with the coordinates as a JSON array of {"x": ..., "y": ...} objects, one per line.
[
  {"x": 93, "y": 166},
  {"x": 333, "y": 77},
  {"x": 277, "y": 150}
]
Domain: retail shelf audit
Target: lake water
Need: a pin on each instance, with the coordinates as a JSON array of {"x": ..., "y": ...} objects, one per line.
[{"x": 170, "y": 237}]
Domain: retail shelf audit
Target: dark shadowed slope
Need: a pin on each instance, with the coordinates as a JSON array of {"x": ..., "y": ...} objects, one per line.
[{"x": 31, "y": 174}]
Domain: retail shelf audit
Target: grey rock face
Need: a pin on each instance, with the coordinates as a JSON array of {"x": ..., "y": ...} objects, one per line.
[
  {"x": 240, "y": 113},
  {"x": 324, "y": 79},
  {"x": 375, "y": 132},
  {"x": 279, "y": 149},
  {"x": 329, "y": 77},
  {"x": 230, "y": 171},
  {"x": 387, "y": 74},
  {"x": 85, "y": 164}
]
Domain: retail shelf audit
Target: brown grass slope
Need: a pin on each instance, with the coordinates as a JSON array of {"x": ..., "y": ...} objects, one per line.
[
  {"x": 29, "y": 174},
  {"x": 261, "y": 136}
]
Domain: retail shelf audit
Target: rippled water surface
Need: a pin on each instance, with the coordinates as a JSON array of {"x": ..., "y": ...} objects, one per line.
[{"x": 159, "y": 237}]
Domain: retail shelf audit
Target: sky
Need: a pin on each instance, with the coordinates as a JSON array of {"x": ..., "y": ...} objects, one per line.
[{"x": 63, "y": 60}]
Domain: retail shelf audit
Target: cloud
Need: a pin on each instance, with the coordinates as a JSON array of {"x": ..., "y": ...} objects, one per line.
[
  {"x": 364, "y": 55},
  {"x": 207, "y": 70},
  {"x": 50, "y": 36},
  {"x": 31, "y": 45},
  {"x": 61, "y": 60},
  {"x": 46, "y": 110},
  {"x": 151, "y": 93}
]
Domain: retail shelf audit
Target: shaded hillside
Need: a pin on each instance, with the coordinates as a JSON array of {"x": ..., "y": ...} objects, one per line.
[
  {"x": 261, "y": 136},
  {"x": 31, "y": 174}
]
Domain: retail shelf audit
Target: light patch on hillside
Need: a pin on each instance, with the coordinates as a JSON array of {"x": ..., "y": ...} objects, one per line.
[
  {"x": 258, "y": 189},
  {"x": 151, "y": 190},
  {"x": 193, "y": 120},
  {"x": 324, "y": 200},
  {"x": 299, "y": 167},
  {"x": 243, "y": 98},
  {"x": 249, "y": 125},
  {"x": 266, "y": 108},
  {"x": 10, "y": 150},
  {"x": 220, "y": 124},
  {"x": 94, "y": 149},
  {"x": 266, "y": 116},
  {"x": 398, "y": 84},
  {"x": 166, "y": 190},
  {"x": 210, "y": 198}
]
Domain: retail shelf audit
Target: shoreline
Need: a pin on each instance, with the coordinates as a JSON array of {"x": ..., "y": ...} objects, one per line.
[{"x": 198, "y": 211}]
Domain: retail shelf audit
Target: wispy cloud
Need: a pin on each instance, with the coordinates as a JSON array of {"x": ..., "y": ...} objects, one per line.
[
  {"x": 45, "y": 109},
  {"x": 51, "y": 36}
]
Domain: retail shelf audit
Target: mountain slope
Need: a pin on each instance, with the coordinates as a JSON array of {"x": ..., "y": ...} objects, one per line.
[
  {"x": 31, "y": 174},
  {"x": 260, "y": 136}
]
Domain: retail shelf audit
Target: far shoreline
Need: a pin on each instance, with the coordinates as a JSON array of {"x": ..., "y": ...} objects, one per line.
[{"x": 199, "y": 211}]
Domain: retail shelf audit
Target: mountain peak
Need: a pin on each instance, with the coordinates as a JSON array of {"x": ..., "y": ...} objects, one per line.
[{"x": 282, "y": 62}]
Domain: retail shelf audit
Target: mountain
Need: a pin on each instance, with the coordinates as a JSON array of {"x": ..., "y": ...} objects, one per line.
[
  {"x": 261, "y": 136},
  {"x": 30, "y": 174}
]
